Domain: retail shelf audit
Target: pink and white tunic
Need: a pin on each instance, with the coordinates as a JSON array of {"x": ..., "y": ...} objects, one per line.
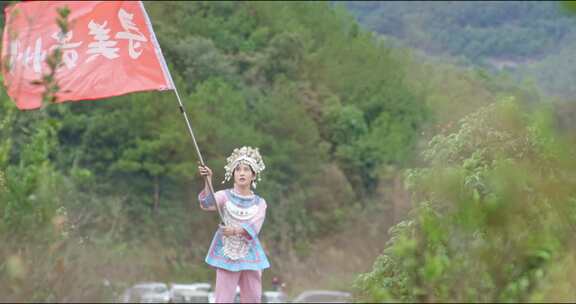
[{"x": 242, "y": 252}]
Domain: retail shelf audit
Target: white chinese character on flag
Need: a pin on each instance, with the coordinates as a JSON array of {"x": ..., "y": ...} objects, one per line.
[
  {"x": 134, "y": 39},
  {"x": 69, "y": 55},
  {"x": 37, "y": 57},
  {"x": 13, "y": 55},
  {"x": 102, "y": 46}
]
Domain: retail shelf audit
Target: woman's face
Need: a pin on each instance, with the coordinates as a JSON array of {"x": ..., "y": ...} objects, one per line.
[{"x": 243, "y": 175}]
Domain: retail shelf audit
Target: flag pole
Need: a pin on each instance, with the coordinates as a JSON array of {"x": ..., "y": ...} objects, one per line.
[
  {"x": 168, "y": 77},
  {"x": 206, "y": 179}
]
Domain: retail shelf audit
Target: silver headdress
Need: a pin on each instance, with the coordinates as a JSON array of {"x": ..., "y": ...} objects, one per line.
[{"x": 245, "y": 155}]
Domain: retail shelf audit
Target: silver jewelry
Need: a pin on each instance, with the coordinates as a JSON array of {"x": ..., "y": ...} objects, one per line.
[
  {"x": 239, "y": 213},
  {"x": 247, "y": 156},
  {"x": 237, "y": 246}
]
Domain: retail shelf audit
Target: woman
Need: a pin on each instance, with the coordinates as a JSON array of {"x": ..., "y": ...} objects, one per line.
[{"x": 236, "y": 252}]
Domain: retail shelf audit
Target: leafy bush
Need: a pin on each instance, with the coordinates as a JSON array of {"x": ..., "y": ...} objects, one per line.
[{"x": 495, "y": 211}]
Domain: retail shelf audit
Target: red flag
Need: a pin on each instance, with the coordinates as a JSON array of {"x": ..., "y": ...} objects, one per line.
[{"x": 110, "y": 50}]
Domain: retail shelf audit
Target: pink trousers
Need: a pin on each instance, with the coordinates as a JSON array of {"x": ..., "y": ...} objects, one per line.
[{"x": 249, "y": 281}]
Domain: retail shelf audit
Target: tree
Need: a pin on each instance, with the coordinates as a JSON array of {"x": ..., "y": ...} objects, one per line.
[{"x": 494, "y": 213}]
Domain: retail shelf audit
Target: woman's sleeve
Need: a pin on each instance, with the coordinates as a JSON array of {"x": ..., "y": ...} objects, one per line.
[{"x": 208, "y": 200}]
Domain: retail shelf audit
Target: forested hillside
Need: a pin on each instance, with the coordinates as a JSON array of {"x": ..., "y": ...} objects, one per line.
[
  {"x": 105, "y": 190},
  {"x": 529, "y": 40}
]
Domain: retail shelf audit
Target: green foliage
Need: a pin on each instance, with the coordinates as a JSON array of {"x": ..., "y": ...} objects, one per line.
[
  {"x": 201, "y": 60},
  {"x": 316, "y": 48},
  {"x": 569, "y": 6},
  {"x": 26, "y": 201},
  {"x": 34, "y": 218},
  {"x": 495, "y": 212}
]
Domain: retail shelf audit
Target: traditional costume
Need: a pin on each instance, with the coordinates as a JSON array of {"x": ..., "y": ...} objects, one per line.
[{"x": 238, "y": 259}]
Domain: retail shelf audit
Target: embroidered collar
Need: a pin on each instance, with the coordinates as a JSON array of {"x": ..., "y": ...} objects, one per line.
[{"x": 242, "y": 200}]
